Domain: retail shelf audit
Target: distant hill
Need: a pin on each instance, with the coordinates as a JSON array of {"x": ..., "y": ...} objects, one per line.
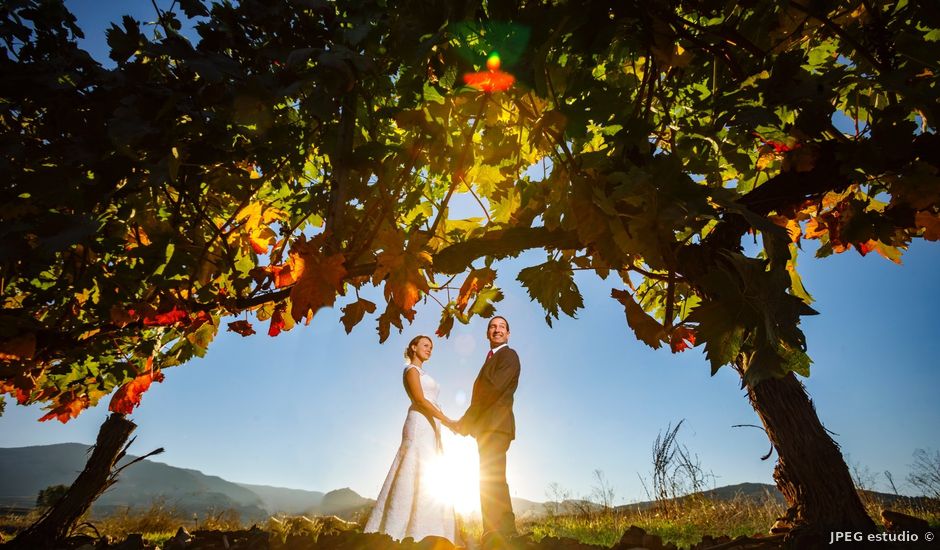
[
  {"x": 287, "y": 501},
  {"x": 758, "y": 492},
  {"x": 344, "y": 503},
  {"x": 26, "y": 470}
]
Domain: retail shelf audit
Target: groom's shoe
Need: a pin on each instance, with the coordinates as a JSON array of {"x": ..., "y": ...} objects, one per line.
[{"x": 493, "y": 540}]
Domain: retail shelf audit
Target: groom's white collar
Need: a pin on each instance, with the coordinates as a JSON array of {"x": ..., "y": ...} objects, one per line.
[{"x": 499, "y": 347}]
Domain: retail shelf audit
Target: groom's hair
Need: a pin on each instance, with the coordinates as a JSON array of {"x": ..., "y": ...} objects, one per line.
[{"x": 495, "y": 317}]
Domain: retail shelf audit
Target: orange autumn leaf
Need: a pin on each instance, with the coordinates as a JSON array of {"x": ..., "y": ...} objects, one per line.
[
  {"x": 128, "y": 396},
  {"x": 815, "y": 228},
  {"x": 319, "y": 280},
  {"x": 791, "y": 225},
  {"x": 69, "y": 406},
  {"x": 283, "y": 275},
  {"x": 401, "y": 271},
  {"x": 241, "y": 327},
  {"x": 21, "y": 386},
  {"x": 682, "y": 339},
  {"x": 476, "y": 281}
]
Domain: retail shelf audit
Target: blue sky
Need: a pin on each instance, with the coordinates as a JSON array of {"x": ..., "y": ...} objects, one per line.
[{"x": 317, "y": 409}]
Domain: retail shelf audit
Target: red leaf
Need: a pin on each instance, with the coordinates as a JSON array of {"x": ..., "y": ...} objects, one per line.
[
  {"x": 277, "y": 323},
  {"x": 69, "y": 407},
  {"x": 172, "y": 317},
  {"x": 128, "y": 396},
  {"x": 241, "y": 327},
  {"x": 22, "y": 396},
  {"x": 866, "y": 247},
  {"x": 682, "y": 339}
]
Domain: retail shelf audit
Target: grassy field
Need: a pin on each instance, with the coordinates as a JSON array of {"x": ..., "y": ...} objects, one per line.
[{"x": 683, "y": 524}]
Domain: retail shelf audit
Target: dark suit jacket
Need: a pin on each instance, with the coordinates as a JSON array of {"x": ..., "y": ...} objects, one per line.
[{"x": 491, "y": 403}]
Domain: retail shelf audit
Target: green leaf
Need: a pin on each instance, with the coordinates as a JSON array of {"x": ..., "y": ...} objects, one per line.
[
  {"x": 718, "y": 330},
  {"x": 552, "y": 285},
  {"x": 431, "y": 95},
  {"x": 483, "y": 304}
]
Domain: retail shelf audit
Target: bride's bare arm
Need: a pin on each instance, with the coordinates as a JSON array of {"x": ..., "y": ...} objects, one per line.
[{"x": 413, "y": 380}]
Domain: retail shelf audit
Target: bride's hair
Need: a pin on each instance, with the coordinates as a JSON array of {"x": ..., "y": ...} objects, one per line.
[{"x": 409, "y": 354}]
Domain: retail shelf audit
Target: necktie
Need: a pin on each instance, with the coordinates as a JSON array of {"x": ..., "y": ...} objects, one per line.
[{"x": 489, "y": 355}]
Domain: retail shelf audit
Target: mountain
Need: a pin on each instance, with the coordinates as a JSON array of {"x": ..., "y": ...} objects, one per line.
[
  {"x": 287, "y": 501},
  {"x": 26, "y": 470},
  {"x": 344, "y": 503}
]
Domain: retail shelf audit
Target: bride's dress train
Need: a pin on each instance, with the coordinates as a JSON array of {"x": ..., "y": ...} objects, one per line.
[{"x": 407, "y": 505}]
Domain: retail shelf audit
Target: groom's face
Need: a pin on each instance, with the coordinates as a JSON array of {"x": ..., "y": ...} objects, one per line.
[{"x": 497, "y": 332}]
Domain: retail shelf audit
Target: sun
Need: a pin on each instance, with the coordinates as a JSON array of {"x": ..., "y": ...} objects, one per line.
[{"x": 455, "y": 475}]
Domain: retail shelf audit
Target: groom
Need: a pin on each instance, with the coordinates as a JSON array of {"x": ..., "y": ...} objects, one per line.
[{"x": 489, "y": 419}]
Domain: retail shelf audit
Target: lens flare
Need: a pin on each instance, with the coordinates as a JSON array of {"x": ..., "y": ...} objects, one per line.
[
  {"x": 455, "y": 476},
  {"x": 492, "y": 80},
  {"x": 492, "y": 62}
]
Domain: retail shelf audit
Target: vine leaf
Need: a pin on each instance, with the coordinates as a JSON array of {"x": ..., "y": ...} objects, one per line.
[
  {"x": 69, "y": 406},
  {"x": 319, "y": 279},
  {"x": 717, "y": 329},
  {"x": 128, "y": 396},
  {"x": 682, "y": 338},
  {"x": 551, "y": 284},
  {"x": 241, "y": 327},
  {"x": 647, "y": 329},
  {"x": 404, "y": 281},
  {"x": 354, "y": 312},
  {"x": 477, "y": 280}
]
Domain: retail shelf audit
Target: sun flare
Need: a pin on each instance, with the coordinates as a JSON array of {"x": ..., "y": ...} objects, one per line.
[{"x": 455, "y": 475}]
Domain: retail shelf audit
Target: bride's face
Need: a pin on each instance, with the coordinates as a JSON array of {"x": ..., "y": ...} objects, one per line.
[{"x": 423, "y": 349}]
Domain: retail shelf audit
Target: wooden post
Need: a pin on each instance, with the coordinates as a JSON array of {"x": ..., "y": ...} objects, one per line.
[{"x": 55, "y": 525}]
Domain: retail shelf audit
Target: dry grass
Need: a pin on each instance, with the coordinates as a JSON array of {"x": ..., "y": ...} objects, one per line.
[
  {"x": 683, "y": 524},
  {"x": 157, "y": 523}
]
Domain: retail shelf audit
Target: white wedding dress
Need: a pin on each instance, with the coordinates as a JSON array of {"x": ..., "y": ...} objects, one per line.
[{"x": 408, "y": 505}]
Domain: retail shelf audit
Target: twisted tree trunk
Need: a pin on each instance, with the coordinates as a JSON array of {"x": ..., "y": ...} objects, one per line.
[
  {"x": 811, "y": 472},
  {"x": 55, "y": 525}
]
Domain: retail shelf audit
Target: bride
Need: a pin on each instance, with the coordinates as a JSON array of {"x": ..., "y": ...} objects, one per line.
[{"x": 407, "y": 505}]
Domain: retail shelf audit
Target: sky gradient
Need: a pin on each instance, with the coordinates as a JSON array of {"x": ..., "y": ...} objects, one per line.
[{"x": 317, "y": 409}]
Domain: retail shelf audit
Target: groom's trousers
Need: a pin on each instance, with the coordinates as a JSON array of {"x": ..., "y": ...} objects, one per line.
[{"x": 495, "y": 505}]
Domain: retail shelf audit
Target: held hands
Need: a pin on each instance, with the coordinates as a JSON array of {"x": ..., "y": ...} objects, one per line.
[{"x": 455, "y": 426}]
